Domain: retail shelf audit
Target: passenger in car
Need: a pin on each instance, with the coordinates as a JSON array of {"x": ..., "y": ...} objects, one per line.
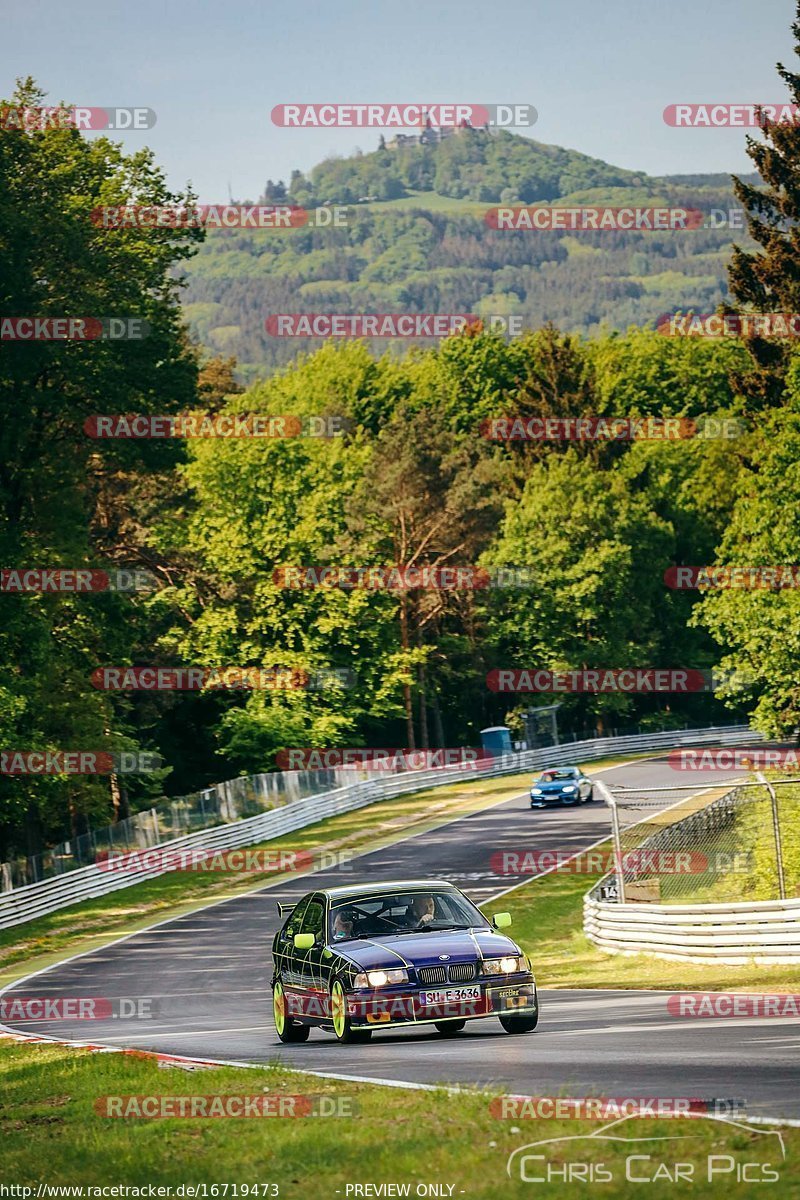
[{"x": 342, "y": 925}]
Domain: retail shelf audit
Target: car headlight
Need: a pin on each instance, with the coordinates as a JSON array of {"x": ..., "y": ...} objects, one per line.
[
  {"x": 506, "y": 965},
  {"x": 536, "y": 791},
  {"x": 380, "y": 978},
  {"x": 570, "y": 787}
]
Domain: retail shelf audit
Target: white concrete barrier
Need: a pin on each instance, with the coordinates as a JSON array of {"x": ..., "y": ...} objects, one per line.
[{"x": 762, "y": 931}]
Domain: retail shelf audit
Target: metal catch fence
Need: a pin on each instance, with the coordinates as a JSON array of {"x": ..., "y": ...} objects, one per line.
[
  {"x": 736, "y": 843},
  {"x": 234, "y": 800}
]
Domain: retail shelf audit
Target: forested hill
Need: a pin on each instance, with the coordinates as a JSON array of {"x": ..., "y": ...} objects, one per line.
[
  {"x": 465, "y": 164},
  {"x": 416, "y": 240}
]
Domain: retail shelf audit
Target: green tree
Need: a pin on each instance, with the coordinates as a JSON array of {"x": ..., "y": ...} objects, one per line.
[
  {"x": 768, "y": 279},
  {"x": 760, "y": 627},
  {"x": 258, "y": 505},
  {"x": 429, "y": 499},
  {"x": 597, "y": 553},
  {"x": 58, "y": 485}
]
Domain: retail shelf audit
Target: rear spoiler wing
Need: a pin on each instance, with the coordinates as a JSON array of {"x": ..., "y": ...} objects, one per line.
[{"x": 285, "y": 908}]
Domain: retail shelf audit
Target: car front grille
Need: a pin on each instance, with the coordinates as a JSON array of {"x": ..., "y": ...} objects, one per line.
[
  {"x": 432, "y": 975},
  {"x": 458, "y": 973}
]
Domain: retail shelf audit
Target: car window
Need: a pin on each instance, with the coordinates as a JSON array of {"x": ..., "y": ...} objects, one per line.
[
  {"x": 312, "y": 918},
  {"x": 375, "y": 916},
  {"x": 294, "y": 924},
  {"x": 553, "y": 776}
]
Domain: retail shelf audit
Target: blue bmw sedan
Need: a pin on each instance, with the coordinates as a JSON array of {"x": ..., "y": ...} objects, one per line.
[
  {"x": 363, "y": 957},
  {"x": 561, "y": 785}
]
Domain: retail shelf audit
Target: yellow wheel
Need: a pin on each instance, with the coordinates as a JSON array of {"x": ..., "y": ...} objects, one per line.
[
  {"x": 338, "y": 1010},
  {"x": 287, "y": 1029},
  {"x": 341, "y": 1020}
]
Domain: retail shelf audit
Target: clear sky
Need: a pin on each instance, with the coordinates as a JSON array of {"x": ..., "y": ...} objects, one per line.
[{"x": 599, "y": 72}]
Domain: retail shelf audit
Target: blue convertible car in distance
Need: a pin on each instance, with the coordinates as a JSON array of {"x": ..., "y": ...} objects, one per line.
[
  {"x": 561, "y": 785},
  {"x": 357, "y": 958}
]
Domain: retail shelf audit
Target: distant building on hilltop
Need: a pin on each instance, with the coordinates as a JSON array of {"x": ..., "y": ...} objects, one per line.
[{"x": 431, "y": 136}]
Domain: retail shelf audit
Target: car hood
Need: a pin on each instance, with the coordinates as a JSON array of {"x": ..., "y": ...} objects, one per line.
[
  {"x": 555, "y": 787},
  {"x": 424, "y": 949}
]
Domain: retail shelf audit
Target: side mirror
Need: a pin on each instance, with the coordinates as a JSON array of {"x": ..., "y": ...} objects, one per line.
[
  {"x": 304, "y": 941},
  {"x": 499, "y": 920}
]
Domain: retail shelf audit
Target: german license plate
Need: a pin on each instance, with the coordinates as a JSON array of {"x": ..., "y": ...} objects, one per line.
[{"x": 450, "y": 995}]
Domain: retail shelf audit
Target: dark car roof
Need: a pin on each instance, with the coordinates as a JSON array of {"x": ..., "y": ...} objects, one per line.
[{"x": 393, "y": 885}]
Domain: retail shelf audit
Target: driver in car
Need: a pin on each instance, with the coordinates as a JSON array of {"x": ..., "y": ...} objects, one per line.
[{"x": 420, "y": 912}]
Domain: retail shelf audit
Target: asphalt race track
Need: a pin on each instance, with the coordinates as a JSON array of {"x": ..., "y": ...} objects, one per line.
[{"x": 208, "y": 977}]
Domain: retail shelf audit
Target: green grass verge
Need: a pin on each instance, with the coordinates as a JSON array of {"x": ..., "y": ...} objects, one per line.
[
  {"x": 548, "y": 924},
  {"x": 51, "y": 1132}
]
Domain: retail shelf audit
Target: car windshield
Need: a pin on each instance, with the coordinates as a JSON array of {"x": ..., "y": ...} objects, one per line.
[
  {"x": 402, "y": 912},
  {"x": 557, "y": 776}
]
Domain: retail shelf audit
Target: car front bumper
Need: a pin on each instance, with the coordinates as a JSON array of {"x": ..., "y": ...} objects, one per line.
[
  {"x": 555, "y": 798},
  {"x": 421, "y": 1004}
]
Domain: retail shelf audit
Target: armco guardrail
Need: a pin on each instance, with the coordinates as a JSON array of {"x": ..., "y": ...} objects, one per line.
[
  {"x": 37, "y": 899},
  {"x": 762, "y": 931}
]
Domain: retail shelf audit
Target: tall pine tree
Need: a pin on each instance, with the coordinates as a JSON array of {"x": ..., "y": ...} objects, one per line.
[{"x": 768, "y": 280}]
